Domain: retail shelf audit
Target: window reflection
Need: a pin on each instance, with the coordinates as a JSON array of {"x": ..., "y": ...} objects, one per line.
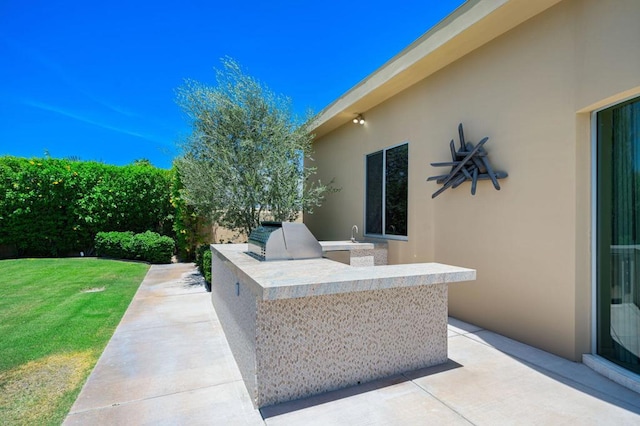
[
  {"x": 387, "y": 180},
  {"x": 619, "y": 234}
]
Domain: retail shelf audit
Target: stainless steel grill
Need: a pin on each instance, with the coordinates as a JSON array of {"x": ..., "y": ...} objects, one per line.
[{"x": 283, "y": 241}]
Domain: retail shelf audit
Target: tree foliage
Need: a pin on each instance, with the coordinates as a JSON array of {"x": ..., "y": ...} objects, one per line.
[
  {"x": 187, "y": 224},
  {"x": 243, "y": 161},
  {"x": 53, "y": 207}
]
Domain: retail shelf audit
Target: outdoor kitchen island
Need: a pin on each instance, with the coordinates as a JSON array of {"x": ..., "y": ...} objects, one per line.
[{"x": 302, "y": 327}]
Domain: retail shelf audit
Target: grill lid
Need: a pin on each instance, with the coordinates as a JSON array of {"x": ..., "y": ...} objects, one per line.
[{"x": 283, "y": 241}]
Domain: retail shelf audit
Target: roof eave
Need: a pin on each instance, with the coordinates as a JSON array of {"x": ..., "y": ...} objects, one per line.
[{"x": 472, "y": 25}]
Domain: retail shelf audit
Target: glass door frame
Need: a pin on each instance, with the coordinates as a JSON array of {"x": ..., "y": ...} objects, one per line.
[{"x": 595, "y": 230}]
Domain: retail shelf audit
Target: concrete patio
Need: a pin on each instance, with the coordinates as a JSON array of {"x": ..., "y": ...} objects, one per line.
[{"x": 168, "y": 363}]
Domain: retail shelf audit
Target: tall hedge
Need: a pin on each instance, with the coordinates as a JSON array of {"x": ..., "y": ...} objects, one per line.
[{"x": 56, "y": 207}]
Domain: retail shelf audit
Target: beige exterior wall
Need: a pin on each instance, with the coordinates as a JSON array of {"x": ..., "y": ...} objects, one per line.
[{"x": 531, "y": 91}]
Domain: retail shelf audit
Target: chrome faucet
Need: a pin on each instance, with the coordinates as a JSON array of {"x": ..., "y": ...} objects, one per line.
[{"x": 354, "y": 231}]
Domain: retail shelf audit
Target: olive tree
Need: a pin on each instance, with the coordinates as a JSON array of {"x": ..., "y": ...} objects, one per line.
[{"x": 244, "y": 159}]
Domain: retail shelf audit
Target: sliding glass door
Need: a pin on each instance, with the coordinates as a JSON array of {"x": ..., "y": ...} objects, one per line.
[{"x": 618, "y": 234}]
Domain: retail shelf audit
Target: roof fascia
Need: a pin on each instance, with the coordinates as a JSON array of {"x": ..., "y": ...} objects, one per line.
[{"x": 473, "y": 24}]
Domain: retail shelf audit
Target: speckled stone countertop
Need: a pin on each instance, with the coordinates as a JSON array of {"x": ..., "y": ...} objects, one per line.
[
  {"x": 346, "y": 245},
  {"x": 290, "y": 279}
]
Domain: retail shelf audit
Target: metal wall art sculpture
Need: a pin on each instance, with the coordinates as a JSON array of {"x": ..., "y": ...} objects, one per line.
[{"x": 468, "y": 163}]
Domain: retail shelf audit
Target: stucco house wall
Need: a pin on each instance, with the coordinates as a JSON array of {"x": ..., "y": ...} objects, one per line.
[{"x": 531, "y": 90}]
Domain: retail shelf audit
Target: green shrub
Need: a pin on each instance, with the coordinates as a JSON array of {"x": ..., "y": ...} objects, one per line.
[
  {"x": 117, "y": 245},
  {"x": 203, "y": 261},
  {"x": 200, "y": 250},
  {"x": 206, "y": 266},
  {"x": 147, "y": 246},
  {"x": 153, "y": 247}
]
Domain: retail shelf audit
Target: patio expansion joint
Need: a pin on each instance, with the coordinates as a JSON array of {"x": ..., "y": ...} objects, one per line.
[
  {"x": 150, "y": 398},
  {"x": 135, "y": 330},
  {"x": 444, "y": 403},
  {"x": 152, "y": 295},
  {"x": 466, "y": 333}
]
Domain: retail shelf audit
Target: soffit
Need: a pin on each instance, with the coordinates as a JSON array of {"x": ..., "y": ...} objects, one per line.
[{"x": 472, "y": 25}]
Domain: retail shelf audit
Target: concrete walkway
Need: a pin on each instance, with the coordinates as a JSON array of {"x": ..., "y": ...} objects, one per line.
[{"x": 168, "y": 363}]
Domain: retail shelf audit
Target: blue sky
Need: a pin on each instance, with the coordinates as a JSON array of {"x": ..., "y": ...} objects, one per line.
[{"x": 97, "y": 80}]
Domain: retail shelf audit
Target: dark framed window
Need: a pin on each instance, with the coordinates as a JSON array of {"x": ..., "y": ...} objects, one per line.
[{"x": 387, "y": 182}]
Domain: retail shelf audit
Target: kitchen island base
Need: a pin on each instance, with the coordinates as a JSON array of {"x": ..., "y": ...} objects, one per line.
[{"x": 294, "y": 336}]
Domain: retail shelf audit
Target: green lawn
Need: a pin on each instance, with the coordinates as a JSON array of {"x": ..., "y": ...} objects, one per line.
[{"x": 56, "y": 317}]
